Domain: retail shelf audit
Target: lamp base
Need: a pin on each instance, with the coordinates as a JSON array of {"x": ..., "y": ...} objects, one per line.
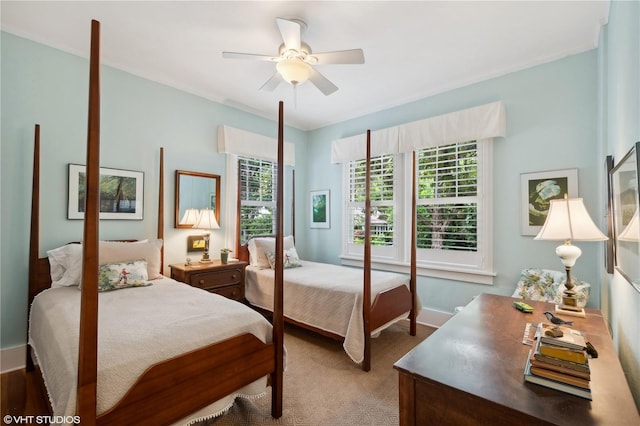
[
  {"x": 560, "y": 309},
  {"x": 206, "y": 261}
]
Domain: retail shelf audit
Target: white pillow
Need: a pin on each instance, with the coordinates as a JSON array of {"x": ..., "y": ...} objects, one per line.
[
  {"x": 68, "y": 259},
  {"x": 116, "y": 251},
  {"x": 258, "y": 248},
  {"x": 66, "y": 265}
]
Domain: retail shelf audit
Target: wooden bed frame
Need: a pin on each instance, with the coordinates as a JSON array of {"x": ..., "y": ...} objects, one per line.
[
  {"x": 173, "y": 389},
  {"x": 388, "y": 304}
]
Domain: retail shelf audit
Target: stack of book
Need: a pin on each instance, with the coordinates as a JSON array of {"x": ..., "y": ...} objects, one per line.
[{"x": 559, "y": 360}]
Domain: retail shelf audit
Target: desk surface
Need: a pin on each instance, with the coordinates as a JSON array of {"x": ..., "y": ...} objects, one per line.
[{"x": 478, "y": 355}]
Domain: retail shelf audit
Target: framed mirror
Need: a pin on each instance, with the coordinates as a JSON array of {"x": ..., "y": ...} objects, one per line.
[
  {"x": 195, "y": 191},
  {"x": 625, "y": 183}
]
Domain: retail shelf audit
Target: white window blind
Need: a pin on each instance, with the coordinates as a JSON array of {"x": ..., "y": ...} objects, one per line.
[
  {"x": 383, "y": 204},
  {"x": 257, "y": 197},
  {"x": 447, "y": 212}
]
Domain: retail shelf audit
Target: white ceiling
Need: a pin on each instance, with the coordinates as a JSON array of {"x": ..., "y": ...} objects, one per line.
[{"x": 412, "y": 49}]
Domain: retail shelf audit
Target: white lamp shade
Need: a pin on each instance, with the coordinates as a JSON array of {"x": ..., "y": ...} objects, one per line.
[
  {"x": 190, "y": 217},
  {"x": 569, "y": 220},
  {"x": 207, "y": 220},
  {"x": 294, "y": 71},
  {"x": 632, "y": 231}
]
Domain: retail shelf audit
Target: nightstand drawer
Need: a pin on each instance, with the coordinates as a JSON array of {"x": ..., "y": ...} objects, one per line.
[
  {"x": 232, "y": 292},
  {"x": 210, "y": 280},
  {"x": 225, "y": 279}
]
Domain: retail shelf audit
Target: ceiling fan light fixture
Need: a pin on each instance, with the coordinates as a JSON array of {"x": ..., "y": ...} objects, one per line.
[{"x": 294, "y": 71}]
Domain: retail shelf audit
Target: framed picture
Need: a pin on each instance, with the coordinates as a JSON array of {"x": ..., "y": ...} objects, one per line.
[
  {"x": 625, "y": 182},
  {"x": 195, "y": 243},
  {"x": 121, "y": 193},
  {"x": 609, "y": 250},
  {"x": 538, "y": 189},
  {"x": 320, "y": 209}
]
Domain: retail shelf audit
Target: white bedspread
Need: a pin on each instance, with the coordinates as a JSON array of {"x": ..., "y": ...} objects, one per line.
[
  {"x": 325, "y": 296},
  {"x": 137, "y": 327}
]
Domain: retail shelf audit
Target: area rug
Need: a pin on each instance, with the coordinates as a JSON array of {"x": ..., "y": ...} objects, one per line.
[{"x": 322, "y": 386}]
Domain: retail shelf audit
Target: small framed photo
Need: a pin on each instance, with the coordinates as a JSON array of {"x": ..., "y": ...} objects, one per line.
[
  {"x": 537, "y": 191},
  {"x": 320, "y": 209},
  {"x": 195, "y": 243},
  {"x": 121, "y": 193}
]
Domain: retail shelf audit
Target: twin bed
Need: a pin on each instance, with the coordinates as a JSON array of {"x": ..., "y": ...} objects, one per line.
[{"x": 164, "y": 352}]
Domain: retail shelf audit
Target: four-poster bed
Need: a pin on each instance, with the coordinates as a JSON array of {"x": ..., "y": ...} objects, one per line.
[
  {"x": 173, "y": 386},
  {"x": 335, "y": 301}
]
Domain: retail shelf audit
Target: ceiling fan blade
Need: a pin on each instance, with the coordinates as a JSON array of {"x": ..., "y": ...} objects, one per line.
[
  {"x": 322, "y": 83},
  {"x": 290, "y": 31},
  {"x": 235, "y": 55},
  {"x": 353, "y": 56},
  {"x": 272, "y": 83}
]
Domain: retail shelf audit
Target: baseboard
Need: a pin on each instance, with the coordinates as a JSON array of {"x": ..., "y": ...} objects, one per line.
[
  {"x": 433, "y": 318},
  {"x": 13, "y": 358}
]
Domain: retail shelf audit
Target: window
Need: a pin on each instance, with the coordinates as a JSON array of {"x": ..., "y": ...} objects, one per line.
[
  {"x": 453, "y": 225},
  {"x": 384, "y": 187},
  {"x": 257, "y": 197}
]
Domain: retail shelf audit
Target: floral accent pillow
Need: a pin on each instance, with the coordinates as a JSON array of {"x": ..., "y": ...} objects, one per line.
[
  {"x": 114, "y": 276},
  {"x": 546, "y": 285},
  {"x": 290, "y": 258}
]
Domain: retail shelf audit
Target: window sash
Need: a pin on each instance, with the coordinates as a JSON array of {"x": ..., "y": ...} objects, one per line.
[{"x": 258, "y": 190}]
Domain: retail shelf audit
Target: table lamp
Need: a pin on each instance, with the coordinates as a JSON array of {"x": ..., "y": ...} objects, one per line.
[
  {"x": 632, "y": 231},
  {"x": 190, "y": 217},
  {"x": 206, "y": 220},
  {"x": 569, "y": 220}
]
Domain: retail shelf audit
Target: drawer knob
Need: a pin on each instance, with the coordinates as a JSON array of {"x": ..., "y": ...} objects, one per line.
[
  {"x": 233, "y": 276},
  {"x": 201, "y": 282}
]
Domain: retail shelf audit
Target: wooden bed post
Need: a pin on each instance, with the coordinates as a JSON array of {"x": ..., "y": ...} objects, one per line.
[
  {"x": 238, "y": 212},
  {"x": 293, "y": 204},
  {"x": 278, "y": 305},
  {"x": 88, "y": 348},
  {"x": 414, "y": 241},
  {"x": 161, "y": 209},
  {"x": 34, "y": 240},
  {"x": 366, "y": 294}
]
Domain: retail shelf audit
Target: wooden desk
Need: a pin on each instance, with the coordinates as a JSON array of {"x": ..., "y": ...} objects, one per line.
[{"x": 470, "y": 372}]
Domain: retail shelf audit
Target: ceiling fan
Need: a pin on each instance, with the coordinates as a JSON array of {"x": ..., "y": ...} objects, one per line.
[{"x": 295, "y": 60}]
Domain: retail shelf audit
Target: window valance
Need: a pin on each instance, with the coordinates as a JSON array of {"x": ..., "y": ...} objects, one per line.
[
  {"x": 481, "y": 122},
  {"x": 383, "y": 141},
  {"x": 252, "y": 145}
]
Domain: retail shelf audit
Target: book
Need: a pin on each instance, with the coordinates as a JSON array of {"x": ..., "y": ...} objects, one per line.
[
  {"x": 582, "y": 368},
  {"x": 568, "y": 338},
  {"x": 566, "y": 354},
  {"x": 553, "y": 384},
  {"x": 560, "y": 377},
  {"x": 537, "y": 363}
]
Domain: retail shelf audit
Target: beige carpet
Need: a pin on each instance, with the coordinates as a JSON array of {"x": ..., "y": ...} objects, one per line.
[{"x": 322, "y": 386}]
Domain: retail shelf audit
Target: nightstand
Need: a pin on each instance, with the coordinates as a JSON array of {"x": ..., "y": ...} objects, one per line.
[{"x": 224, "y": 279}]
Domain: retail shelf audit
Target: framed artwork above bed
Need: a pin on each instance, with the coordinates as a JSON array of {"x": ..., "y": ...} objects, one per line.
[
  {"x": 121, "y": 193},
  {"x": 320, "y": 209}
]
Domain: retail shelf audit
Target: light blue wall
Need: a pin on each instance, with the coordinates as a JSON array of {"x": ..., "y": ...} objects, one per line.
[
  {"x": 619, "y": 119},
  {"x": 49, "y": 87},
  {"x": 551, "y": 124}
]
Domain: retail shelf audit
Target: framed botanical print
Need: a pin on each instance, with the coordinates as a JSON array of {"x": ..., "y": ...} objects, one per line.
[
  {"x": 320, "y": 209},
  {"x": 537, "y": 191}
]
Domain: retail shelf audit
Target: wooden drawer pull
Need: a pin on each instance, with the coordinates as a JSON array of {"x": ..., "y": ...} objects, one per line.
[
  {"x": 201, "y": 282},
  {"x": 234, "y": 276}
]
